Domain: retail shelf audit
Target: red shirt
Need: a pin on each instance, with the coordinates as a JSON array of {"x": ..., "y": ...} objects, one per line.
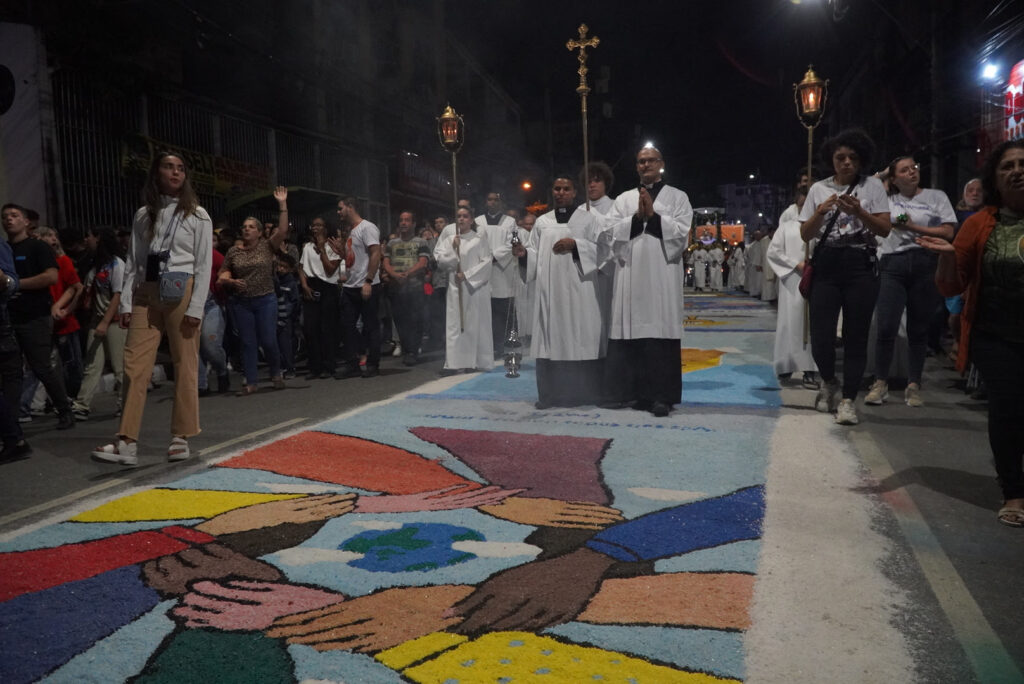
[{"x": 66, "y": 277}]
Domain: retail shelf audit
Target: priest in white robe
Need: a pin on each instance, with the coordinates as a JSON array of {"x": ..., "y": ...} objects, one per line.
[
  {"x": 769, "y": 282},
  {"x": 647, "y": 231},
  {"x": 699, "y": 261},
  {"x": 466, "y": 254},
  {"x": 737, "y": 267},
  {"x": 570, "y": 336},
  {"x": 786, "y": 257},
  {"x": 755, "y": 258},
  {"x": 498, "y": 227},
  {"x": 716, "y": 257}
]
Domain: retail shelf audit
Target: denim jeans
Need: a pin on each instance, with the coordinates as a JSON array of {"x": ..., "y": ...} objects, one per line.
[
  {"x": 35, "y": 337},
  {"x": 907, "y": 282},
  {"x": 844, "y": 280},
  {"x": 10, "y": 395},
  {"x": 211, "y": 342},
  {"x": 256, "y": 318},
  {"x": 353, "y": 309}
]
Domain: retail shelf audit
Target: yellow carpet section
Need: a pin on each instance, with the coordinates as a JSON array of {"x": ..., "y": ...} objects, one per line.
[
  {"x": 522, "y": 657},
  {"x": 699, "y": 359},
  {"x": 175, "y": 504},
  {"x": 695, "y": 320}
]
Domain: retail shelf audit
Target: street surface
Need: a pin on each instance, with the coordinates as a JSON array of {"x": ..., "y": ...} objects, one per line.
[{"x": 881, "y": 558}]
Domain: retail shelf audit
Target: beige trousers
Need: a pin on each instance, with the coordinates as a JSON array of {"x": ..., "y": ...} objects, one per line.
[
  {"x": 151, "y": 320},
  {"x": 98, "y": 350}
]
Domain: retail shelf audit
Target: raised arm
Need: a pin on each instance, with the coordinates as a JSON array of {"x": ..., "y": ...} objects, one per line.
[{"x": 278, "y": 237}]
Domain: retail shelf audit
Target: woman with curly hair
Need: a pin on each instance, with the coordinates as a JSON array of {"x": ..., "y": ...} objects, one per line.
[{"x": 847, "y": 212}]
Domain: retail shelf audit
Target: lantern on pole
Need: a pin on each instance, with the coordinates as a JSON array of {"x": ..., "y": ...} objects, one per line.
[
  {"x": 810, "y": 96},
  {"x": 451, "y": 133}
]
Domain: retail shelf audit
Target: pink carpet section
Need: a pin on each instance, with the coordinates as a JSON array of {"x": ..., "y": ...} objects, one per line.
[{"x": 552, "y": 466}]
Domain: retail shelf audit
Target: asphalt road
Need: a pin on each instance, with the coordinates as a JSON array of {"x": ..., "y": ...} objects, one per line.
[{"x": 60, "y": 470}]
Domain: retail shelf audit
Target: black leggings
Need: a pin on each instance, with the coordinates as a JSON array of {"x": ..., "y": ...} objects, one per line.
[
  {"x": 844, "y": 280},
  {"x": 1001, "y": 364}
]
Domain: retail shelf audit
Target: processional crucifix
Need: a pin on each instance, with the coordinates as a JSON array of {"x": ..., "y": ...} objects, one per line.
[{"x": 583, "y": 89}]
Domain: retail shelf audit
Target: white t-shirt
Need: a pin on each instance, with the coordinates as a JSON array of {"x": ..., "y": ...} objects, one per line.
[
  {"x": 106, "y": 281},
  {"x": 363, "y": 236},
  {"x": 313, "y": 265},
  {"x": 848, "y": 231},
  {"x": 929, "y": 208}
]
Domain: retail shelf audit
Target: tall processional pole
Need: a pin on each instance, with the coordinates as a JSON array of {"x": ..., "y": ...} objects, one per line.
[{"x": 581, "y": 44}]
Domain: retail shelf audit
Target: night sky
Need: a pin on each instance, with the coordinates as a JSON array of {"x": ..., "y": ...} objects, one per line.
[{"x": 709, "y": 81}]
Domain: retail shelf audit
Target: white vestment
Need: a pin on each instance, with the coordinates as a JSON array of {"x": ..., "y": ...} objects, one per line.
[
  {"x": 499, "y": 237},
  {"x": 769, "y": 283},
  {"x": 569, "y": 317},
  {"x": 737, "y": 268},
  {"x": 699, "y": 260},
  {"x": 716, "y": 257},
  {"x": 754, "y": 279},
  {"x": 784, "y": 253},
  {"x": 472, "y": 346},
  {"x": 647, "y": 290}
]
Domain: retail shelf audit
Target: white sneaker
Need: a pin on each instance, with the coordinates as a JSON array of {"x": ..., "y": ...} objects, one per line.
[
  {"x": 878, "y": 393},
  {"x": 397, "y": 351},
  {"x": 846, "y": 413},
  {"x": 119, "y": 452},
  {"x": 828, "y": 397},
  {"x": 912, "y": 395}
]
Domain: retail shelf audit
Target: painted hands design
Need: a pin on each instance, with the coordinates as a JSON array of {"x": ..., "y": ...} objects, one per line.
[
  {"x": 448, "y": 498},
  {"x": 545, "y": 512},
  {"x": 171, "y": 575},
  {"x": 375, "y": 622},
  {"x": 239, "y": 605},
  {"x": 271, "y": 513},
  {"x": 533, "y": 596}
]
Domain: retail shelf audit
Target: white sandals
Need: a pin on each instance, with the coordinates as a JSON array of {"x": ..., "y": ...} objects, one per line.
[
  {"x": 119, "y": 452},
  {"x": 178, "y": 451}
]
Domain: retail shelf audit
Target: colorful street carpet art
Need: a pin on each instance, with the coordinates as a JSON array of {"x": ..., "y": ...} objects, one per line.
[{"x": 452, "y": 535}]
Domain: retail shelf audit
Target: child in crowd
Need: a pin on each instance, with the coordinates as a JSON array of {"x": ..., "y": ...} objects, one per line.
[{"x": 286, "y": 284}]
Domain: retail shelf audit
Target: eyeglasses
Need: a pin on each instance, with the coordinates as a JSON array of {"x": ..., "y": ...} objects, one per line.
[{"x": 644, "y": 162}]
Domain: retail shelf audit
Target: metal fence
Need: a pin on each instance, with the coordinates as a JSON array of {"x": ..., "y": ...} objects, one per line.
[{"x": 93, "y": 120}]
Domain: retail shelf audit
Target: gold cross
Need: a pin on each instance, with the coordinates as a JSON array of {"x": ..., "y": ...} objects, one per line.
[{"x": 582, "y": 44}]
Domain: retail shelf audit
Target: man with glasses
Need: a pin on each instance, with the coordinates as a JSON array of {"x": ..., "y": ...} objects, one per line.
[{"x": 647, "y": 231}]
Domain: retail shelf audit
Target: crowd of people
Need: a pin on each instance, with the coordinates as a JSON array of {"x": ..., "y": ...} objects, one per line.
[{"x": 595, "y": 287}]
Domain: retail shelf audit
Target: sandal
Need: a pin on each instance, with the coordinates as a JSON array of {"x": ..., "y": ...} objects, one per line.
[
  {"x": 247, "y": 390},
  {"x": 178, "y": 451},
  {"x": 1012, "y": 516},
  {"x": 118, "y": 452}
]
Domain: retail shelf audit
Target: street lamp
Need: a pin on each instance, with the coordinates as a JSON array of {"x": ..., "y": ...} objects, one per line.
[
  {"x": 451, "y": 132},
  {"x": 810, "y": 96}
]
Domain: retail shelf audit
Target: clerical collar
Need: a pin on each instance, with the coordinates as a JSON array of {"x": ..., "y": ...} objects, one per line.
[
  {"x": 493, "y": 220},
  {"x": 562, "y": 214},
  {"x": 654, "y": 188}
]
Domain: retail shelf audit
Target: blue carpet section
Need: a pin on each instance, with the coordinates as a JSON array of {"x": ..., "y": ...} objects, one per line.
[
  {"x": 39, "y": 631},
  {"x": 743, "y": 385}
]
